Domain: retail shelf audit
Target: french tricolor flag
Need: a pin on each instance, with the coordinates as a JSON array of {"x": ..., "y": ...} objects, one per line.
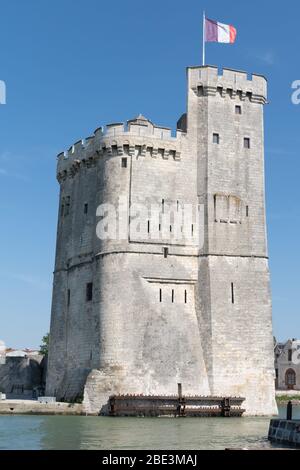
[{"x": 219, "y": 32}]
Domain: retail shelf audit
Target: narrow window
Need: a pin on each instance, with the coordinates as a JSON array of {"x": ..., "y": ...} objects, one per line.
[
  {"x": 160, "y": 295},
  {"x": 290, "y": 354},
  {"x": 69, "y": 297},
  {"x": 177, "y": 205},
  {"x": 232, "y": 293},
  {"x": 166, "y": 252},
  {"x": 192, "y": 230},
  {"x": 89, "y": 291},
  {"x": 216, "y": 138},
  {"x": 148, "y": 226},
  {"x": 62, "y": 211},
  {"x": 163, "y": 206},
  {"x": 67, "y": 207},
  {"x": 170, "y": 228},
  {"x": 247, "y": 211},
  {"x": 172, "y": 296},
  {"x": 159, "y": 227},
  {"x": 246, "y": 142},
  {"x": 86, "y": 208},
  {"x": 124, "y": 162},
  {"x": 185, "y": 296},
  {"x": 238, "y": 109}
]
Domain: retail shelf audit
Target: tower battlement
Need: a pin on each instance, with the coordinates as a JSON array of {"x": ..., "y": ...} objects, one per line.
[
  {"x": 139, "y": 137},
  {"x": 208, "y": 80}
]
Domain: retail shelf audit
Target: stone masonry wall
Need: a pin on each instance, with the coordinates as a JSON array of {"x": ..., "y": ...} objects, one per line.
[{"x": 198, "y": 314}]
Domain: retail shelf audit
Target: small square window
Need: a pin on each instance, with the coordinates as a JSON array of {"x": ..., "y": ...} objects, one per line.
[
  {"x": 246, "y": 142},
  {"x": 238, "y": 109},
  {"x": 216, "y": 138},
  {"x": 89, "y": 291},
  {"x": 124, "y": 163}
]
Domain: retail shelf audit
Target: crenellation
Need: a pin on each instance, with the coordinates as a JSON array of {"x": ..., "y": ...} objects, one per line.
[
  {"x": 115, "y": 141},
  {"x": 236, "y": 84}
]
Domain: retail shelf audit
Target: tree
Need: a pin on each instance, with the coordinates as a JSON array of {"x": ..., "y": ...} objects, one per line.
[{"x": 45, "y": 345}]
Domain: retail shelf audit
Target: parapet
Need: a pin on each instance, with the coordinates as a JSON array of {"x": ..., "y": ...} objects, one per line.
[
  {"x": 208, "y": 80},
  {"x": 138, "y": 136}
]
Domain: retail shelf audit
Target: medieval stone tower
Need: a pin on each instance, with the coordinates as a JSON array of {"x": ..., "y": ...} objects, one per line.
[{"x": 139, "y": 315}]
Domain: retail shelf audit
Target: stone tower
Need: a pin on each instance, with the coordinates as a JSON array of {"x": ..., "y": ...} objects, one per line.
[{"x": 140, "y": 313}]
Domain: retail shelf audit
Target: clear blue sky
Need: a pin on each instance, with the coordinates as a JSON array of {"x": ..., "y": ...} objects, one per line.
[{"x": 73, "y": 65}]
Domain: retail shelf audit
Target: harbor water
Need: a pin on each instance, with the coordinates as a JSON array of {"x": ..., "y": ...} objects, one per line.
[{"x": 80, "y": 432}]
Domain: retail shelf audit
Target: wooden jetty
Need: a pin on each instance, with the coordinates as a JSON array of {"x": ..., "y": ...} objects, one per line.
[{"x": 175, "y": 406}]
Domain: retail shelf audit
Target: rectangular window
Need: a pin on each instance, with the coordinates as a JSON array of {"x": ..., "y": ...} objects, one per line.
[
  {"x": 67, "y": 207},
  {"x": 192, "y": 230},
  {"x": 114, "y": 149},
  {"x": 247, "y": 211},
  {"x": 185, "y": 296},
  {"x": 238, "y": 109},
  {"x": 166, "y": 252},
  {"x": 246, "y": 142},
  {"x": 86, "y": 208},
  {"x": 290, "y": 354},
  {"x": 69, "y": 297},
  {"x": 160, "y": 295},
  {"x": 216, "y": 138},
  {"x": 232, "y": 293},
  {"x": 89, "y": 291},
  {"x": 172, "y": 296},
  {"x": 124, "y": 162},
  {"x": 148, "y": 226},
  {"x": 163, "y": 205}
]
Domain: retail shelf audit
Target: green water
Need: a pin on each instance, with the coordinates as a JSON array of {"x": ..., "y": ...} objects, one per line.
[{"x": 79, "y": 432}]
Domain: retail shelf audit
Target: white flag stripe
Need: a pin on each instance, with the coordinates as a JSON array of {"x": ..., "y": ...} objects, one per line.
[{"x": 223, "y": 32}]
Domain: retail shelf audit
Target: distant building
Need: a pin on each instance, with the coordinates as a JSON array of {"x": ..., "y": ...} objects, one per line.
[
  {"x": 287, "y": 365},
  {"x": 22, "y": 373},
  {"x": 21, "y": 352}
]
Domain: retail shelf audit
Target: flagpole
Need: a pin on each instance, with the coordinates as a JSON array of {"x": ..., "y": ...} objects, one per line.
[{"x": 203, "y": 45}]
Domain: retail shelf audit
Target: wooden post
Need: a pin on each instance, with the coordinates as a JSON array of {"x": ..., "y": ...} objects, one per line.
[{"x": 289, "y": 411}]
